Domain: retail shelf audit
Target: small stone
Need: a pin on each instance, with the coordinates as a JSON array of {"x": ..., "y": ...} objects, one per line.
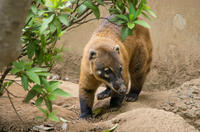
[
  {"x": 66, "y": 79},
  {"x": 171, "y": 103},
  {"x": 64, "y": 127},
  {"x": 187, "y": 103},
  {"x": 191, "y": 96},
  {"x": 43, "y": 128},
  {"x": 166, "y": 108},
  {"x": 182, "y": 107},
  {"x": 54, "y": 77},
  {"x": 175, "y": 110}
]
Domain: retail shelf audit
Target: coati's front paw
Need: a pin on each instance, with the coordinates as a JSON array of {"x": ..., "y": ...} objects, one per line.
[
  {"x": 131, "y": 97},
  {"x": 105, "y": 94},
  {"x": 85, "y": 116}
]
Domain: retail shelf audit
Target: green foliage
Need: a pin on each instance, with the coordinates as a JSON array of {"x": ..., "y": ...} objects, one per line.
[
  {"x": 46, "y": 22},
  {"x": 112, "y": 129},
  {"x": 130, "y": 19},
  {"x": 44, "y": 90}
]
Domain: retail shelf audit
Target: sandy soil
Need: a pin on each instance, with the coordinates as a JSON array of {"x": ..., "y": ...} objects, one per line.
[{"x": 143, "y": 115}]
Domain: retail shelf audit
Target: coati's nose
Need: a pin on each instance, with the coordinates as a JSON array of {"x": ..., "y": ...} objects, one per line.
[{"x": 122, "y": 89}]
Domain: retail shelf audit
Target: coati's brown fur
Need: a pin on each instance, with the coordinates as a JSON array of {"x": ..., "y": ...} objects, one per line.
[{"x": 135, "y": 56}]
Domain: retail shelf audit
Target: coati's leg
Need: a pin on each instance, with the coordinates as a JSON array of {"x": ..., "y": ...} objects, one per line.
[
  {"x": 104, "y": 94},
  {"x": 86, "y": 97},
  {"x": 136, "y": 87},
  {"x": 116, "y": 101},
  {"x": 139, "y": 68}
]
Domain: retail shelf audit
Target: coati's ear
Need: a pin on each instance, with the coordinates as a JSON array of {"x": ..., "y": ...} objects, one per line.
[
  {"x": 92, "y": 54},
  {"x": 116, "y": 48}
]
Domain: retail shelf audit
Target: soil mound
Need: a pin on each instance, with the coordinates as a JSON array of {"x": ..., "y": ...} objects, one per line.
[{"x": 151, "y": 120}]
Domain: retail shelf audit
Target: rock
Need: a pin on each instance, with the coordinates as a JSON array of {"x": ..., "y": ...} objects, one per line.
[
  {"x": 64, "y": 127},
  {"x": 47, "y": 127},
  {"x": 66, "y": 79},
  {"x": 171, "y": 103},
  {"x": 55, "y": 77},
  {"x": 182, "y": 107}
]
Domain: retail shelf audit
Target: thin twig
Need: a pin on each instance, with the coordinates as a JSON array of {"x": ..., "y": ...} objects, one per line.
[
  {"x": 80, "y": 23},
  {"x": 13, "y": 105},
  {"x": 14, "y": 95},
  {"x": 8, "y": 68}
]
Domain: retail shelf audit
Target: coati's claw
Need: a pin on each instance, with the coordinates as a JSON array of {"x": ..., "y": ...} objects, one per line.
[{"x": 131, "y": 97}]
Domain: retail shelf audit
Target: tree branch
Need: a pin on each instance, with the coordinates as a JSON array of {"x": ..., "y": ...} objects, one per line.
[
  {"x": 8, "y": 69},
  {"x": 13, "y": 105}
]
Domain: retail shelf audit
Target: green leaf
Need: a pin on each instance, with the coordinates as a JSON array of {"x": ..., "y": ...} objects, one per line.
[
  {"x": 14, "y": 70},
  {"x": 43, "y": 41},
  {"x": 38, "y": 69},
  {"x": 81, "y": 9},
  {"x": 93, "y": 7},
  {"x": 131, "y": 11},
  {"x": 19, "y": 65},
  {"x": 130, "y": 31},
  {"x": 45, "y": 112},
  {"x": 29, "y": 16},
  {"x": 52, "y": 97},
  {"x": 119, "y": 22},
  {"x": 52, "y": 116},
  {"x": 113, "y": 11},
  {"x": 34, "y": 9},
  {"x": 64, "y": 120},
  {"x": 101, "y": 2},
  {"x": 43, "y": 74},
  {"x": 98, "y": 111},
  {"x": 37, "y": 88},
  {"x": 123, "y": 17},
  {"x": 131, "y": 25},
  {"x": 151, "y": 12},
  {"x": 60, "y": 92},
  {"x": 7, "y": 84},
  {"x": 31, "y": 49},
  {"x": 58, "y": 26},
  {"x": 39, "y": 101},
  {"x": 53, "y": 85},
  {"x": 24, "y": 80},
  {"x": 48, "y": 104},
  {"x": 41, "y": 12},
  {"x": 39, "y": 118},
  {"x": 33, "y": 76},
  {"x": 31, "y": 94},
  {"x": 64, "y": 19},
  {"x": 124, "y": 33},
  {"x": 52, "y": 27},
  {"x": 112, "y": 129},
  {"x": 145, "y": 15},
  {"x": 45, "y": 23},
  {"x": 45, "y": 82},
  {"x": 142, "y": 23},
  {"x": 120, "y": 4}
]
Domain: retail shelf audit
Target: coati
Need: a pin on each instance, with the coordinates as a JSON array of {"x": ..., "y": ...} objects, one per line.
[{"x": 121, "y": 65}]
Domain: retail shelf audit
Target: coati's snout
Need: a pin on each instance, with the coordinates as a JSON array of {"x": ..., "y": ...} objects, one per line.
[
  {"x": 107, "y": 67},
  {"x": 119, "y": 85}
]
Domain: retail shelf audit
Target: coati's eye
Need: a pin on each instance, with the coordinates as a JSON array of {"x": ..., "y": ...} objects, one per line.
[{"x": 107, "y": 70}]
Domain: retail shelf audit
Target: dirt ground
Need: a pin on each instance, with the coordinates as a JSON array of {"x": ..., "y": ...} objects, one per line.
[{"x": 155, "y": 111}]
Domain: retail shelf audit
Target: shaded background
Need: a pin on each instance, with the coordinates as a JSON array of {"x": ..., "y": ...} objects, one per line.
[{"x": 176, "y": 40}]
